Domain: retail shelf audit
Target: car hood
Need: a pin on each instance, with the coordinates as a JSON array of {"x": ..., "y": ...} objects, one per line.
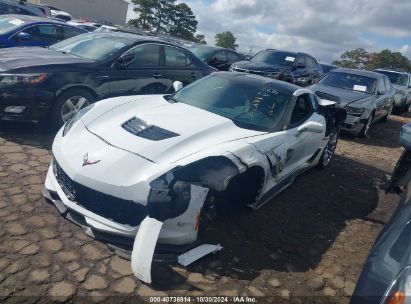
[
  {"x": 346, "y": 96},
  {"x": 260, "y": 66},
  {"x": 27, "y": 58},
  {"x": 187, "y": 129}
]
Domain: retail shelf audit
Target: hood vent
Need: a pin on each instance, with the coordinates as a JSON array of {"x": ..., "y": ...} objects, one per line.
[{"x": 142, "y": 129}]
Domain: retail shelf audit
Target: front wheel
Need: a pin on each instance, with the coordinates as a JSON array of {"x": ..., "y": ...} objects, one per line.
[
  {"x": 329, "y": 149},
  {"x": 387, "y": 117},
  {"x": 68, "y": 104},
  {"x": 367, "y": 126}
]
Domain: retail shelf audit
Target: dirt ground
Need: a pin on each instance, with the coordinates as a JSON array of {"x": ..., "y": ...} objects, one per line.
[{"x": 308, "y": 245}]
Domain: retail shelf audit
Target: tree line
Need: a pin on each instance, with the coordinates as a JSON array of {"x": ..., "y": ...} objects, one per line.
[
  {"x": 175, "y": 19},
  {"x": 361, "y": 59}
]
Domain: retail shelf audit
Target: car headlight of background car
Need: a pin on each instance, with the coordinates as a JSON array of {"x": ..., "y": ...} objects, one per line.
[
  {"x": 400, "y": 289},
  {"x": 354, "y": 110},
  {"x": 12, "y": 79},
  {"x": 76, "y": 118}
]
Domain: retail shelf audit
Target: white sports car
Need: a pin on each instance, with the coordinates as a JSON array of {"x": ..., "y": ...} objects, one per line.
[{"x": 143, "y": 169}]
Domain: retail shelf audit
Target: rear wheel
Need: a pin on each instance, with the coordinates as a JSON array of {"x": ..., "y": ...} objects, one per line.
[
  {"x": 68, "y": 104},
  {"x": 329, "y": 149}
]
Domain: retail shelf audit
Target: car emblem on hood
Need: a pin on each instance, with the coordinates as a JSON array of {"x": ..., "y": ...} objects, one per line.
[{"x": 87, "y": 162}]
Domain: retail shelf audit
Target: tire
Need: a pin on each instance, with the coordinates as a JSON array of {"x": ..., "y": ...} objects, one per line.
[
  {"x": 329, "y": 149},
  {"x": 68, "y": 104},
  {"x": 387, "y": 117},
  {"x": 364, "y": 132}
]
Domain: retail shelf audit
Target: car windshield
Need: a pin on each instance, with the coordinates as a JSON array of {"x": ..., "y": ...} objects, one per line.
[
  {"x": 396, "y": 78},
  {"x": 202, "y": 52},
  {"x": 350, "y": 82},
  {"x": 249, "y": 104},
  {"x": 95, "y": 47},
  {"x": 274, "y": 57},
  {"x": 9, "y": 24}
]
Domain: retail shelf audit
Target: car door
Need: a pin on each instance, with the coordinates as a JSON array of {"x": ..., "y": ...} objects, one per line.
[
  {"x": 380, "y": 99},
  {"x": 219, "y": 60},
  {"x": 178, "y": 65},
  {"x": 138, "y": 71},
  {"x": 390, "y": 92},
  {"x": 40, "y": 35},
  {"x": 302, "y": 145}
]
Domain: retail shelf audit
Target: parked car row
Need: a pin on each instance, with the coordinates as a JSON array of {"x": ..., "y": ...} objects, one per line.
[{"x": 200, "y": 142}]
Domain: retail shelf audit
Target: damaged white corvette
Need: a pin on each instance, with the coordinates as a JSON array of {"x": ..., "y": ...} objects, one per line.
[{"x": 144, "y": 170}]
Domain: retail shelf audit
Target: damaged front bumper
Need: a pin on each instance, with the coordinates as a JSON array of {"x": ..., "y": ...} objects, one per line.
[{"x": 353, "y": 124}]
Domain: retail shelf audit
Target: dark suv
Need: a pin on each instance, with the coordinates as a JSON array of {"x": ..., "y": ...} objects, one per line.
[
  {"x": 299, "y": 68},
  {"x": 219, "y": 58}
]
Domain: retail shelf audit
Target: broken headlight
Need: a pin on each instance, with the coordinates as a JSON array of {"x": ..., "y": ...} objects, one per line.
[
  {"x": 400, "y": 290},
  {"x": 168, "y": 198},
  {"x": 69, "y": 124},
  {"x": 354, "y": 110}
]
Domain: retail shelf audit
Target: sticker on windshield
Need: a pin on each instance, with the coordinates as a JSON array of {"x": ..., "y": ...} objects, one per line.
[
  {"x": 16, "y": 22},
  {"x": 359, "y": 88},
  {"x": 289, "y": 58}
]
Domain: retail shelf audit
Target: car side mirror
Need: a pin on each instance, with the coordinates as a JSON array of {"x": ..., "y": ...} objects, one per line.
[
  {"x": 177, "y": 85},
  {"x": 405, "y": 136},
  {"x": 310, "y": 126},
  {"x": 379, "y": 93},
  {"x": 22, "y": 36},
  {"x": 125, "y": 60}
]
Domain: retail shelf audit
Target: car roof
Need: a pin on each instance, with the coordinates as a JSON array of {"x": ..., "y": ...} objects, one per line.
[
  {"x": 126, "y": 35},
  {"x": 291, "y": 52},
  {"x": 358, "y": 72},
  {"x": 213, "y": 48},
  {"x": 391, "y": 71},
  {"x": 261, "y": 80},
  {"x": 328, "y": 64},
  {"x": 27, "y": 19}
]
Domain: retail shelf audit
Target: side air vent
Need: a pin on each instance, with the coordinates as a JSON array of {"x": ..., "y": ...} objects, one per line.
[{"x": 142, "y": 129}]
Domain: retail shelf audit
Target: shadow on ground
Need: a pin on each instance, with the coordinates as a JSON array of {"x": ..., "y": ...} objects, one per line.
[{"x": 291, "y": 233}]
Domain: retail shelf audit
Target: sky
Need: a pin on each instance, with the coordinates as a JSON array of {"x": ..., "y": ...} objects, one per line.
[{"x": 322, "y": 28}]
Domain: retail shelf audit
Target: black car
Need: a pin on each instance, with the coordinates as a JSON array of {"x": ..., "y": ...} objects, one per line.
[
  {"x": 19, "y": 7},
  {"x": 60, "y": 80},
  {"x": 386, "y": 276},
  {"x": 328, "y": 67},
  {"x": 299, "y": 68},
  {"x": 220, "y": 58}
]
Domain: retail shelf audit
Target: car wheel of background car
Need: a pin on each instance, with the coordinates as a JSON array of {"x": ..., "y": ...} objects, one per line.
[
  {"x": 329, "y": 150},
  {"x": 366, "y": 128},
  {"x": 68, "y": 104},
  {"x": 386, "y": 117}
]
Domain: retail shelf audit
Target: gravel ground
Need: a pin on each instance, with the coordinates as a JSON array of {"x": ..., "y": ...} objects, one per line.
[{"x": 308, "y": 245}]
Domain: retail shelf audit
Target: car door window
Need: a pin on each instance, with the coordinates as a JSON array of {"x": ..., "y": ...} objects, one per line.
[
  {"x": 42, "y": 33},
  {"x": 387, "y": 84},
  {"x": 302, "y": 110},
  {"x": 220, "y": 56},
  {"x": 381, "y": 86},
  {"x": 146, "y": 55},
  {"x": 68, "y": 32},
  {"x": 232, "y": 56},
  {"x": 310, "y": 62},
  {"x": 175, "y": 57}
]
